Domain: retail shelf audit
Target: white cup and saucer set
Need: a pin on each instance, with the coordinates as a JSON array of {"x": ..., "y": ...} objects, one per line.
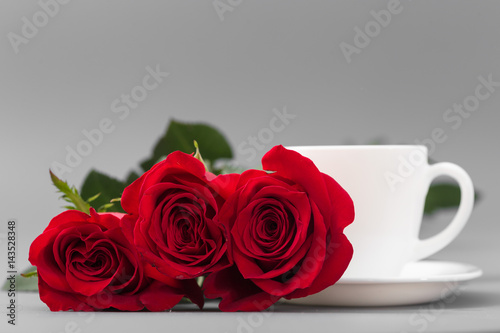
[{"x": 388, "y": 185}]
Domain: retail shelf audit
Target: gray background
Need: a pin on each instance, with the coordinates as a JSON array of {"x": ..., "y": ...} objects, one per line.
[{"x": 264, "y": 55}]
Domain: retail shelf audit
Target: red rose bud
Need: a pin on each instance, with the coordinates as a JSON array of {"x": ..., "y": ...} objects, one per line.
[
  {"x": 86, "y": 263},
  {"x": 173, "y": 217},
  {"x": 286, "y": 234}
]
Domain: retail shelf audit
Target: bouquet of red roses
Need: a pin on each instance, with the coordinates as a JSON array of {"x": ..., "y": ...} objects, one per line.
[{"x": 249, "y": 238}]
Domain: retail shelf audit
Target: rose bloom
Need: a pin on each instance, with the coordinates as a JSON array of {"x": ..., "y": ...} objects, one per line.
[
  {"x": 173, "y": 217},
  {"x": 86, "y": 263},
  {"x": 287, "y": 235}
]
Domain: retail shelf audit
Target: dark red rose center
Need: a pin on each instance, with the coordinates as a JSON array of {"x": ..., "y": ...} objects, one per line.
[
  {"x": 273, "y": 228},
  {"x": 184, "y": 222},
  {"x": 98, "y": 263},
  {"x": 182, "y": 229}
]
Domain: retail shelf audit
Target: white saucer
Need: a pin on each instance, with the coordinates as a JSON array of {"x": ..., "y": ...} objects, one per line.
[{"x": 420, "y": 282}]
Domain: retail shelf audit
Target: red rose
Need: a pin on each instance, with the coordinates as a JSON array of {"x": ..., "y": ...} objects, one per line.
[
  {"x": 173, "y": 217},
  {"x": 86, "y": 263},
  {"x": 287, "y": 234}
]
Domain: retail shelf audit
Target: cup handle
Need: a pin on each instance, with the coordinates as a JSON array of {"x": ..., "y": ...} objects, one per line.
[{"x": 426, "y": 247}]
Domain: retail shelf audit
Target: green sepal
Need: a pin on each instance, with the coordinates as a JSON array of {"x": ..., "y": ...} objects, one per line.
[
  {"x": 30, "y": 274},
  {"x": 94, "y": 197},
  {"x": 197, "y": 154},
  {"x": 70, "y": 194},
  {"x": 104, "y": 208},
  {"x": 27, "y": 280}
]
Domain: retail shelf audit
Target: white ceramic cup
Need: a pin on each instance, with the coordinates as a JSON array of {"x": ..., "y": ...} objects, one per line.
[{"x": 388, "y": 185}]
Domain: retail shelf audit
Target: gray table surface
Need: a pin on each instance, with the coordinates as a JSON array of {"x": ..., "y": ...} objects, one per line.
[{"x": 476, "y": 309}]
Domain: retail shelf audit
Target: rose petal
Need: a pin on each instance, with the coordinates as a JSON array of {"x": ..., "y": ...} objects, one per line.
[
  {"x": 132, "y": 193},
  {"x": 42, "y": 256},
  {"x": 160, "y": 297},
  {"x": 188, "y": 288},
  {"x": 58, "y": 300},
  {"x": 105, "y": 220},
  {"x": 339, "y": 254},
  {"x": 68, "y": 216},
  {"x": 106, "y": 300},
  {"x": 238, "y": 294},
  {"x": 303, "y": 172},
  {"x": 127, "y": 224},
  {"x": 341, "y": 203},
  {"x": 225, "y": 185}
]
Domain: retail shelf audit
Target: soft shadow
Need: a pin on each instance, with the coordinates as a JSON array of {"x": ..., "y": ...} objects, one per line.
[{"x": 475, "y": 299}]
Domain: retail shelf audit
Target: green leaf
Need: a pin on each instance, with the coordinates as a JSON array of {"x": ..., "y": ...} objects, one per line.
[
  {"x": 108, "y": 187},
  {"x": 132, "y": 176},
  {"x": 29, "y": 283},
  {"x": 442, "y": 196},
  {"x": 180, "y": 136},
  {"x": 70, "y": 194}
]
